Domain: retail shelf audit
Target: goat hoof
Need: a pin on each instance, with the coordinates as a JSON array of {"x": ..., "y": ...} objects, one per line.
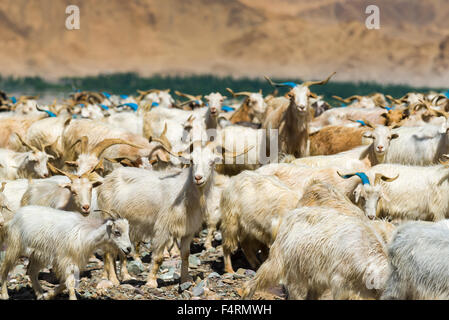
[
  {"x": 151, "y": 284},
  {"x": 4, "y": 297},
  {"x": 127, "y": 277}
]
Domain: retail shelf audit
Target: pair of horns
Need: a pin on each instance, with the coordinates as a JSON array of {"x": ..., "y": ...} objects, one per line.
[
  {"x": 305, "y": 83},
  {"x": 238, "y": 94},
  {"x": 365, "y": 180},
  {"x": 72, "y": 177},
  {"x": 349, "y": 99}
]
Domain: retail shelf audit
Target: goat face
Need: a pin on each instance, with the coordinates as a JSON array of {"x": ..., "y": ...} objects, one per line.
[
  {"x": 215, "y": 101},
  {"x": 257, "y": 104},
  {"x": 118, "y": 233},
  {"x": 28, "y": 107},
  {"x": 381, "y": 136},
  {"x": 203, "y": 160},
  {"x": 299, "y": 97},
  {"x": 38, "y": 161},
  {"x": 368, "y": 196},
  {"x": 165, "y": 99},
  {"x": 81, "y": 190}
]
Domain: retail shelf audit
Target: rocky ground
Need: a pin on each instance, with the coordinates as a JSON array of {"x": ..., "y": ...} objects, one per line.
[{"x": 206, "y": 268}]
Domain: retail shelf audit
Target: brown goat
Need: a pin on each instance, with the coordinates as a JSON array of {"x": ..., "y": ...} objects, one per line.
[
  {"x": 291, "y": 116},
  {"x": 335, "y": 139}
]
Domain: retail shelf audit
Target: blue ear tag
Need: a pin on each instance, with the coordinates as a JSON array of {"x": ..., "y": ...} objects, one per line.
[
  {"x": 104, "y": 107},
  {"x": 133, "y": 106},
  {"x": 13, "y": 99},
  {"x": 107, "y": 95},
  {"x": 82, "y": 105},
  {"x": 155, "y": 104},
  {"x": 227, "y": 108},
  {"x": 290, "y": 84},
  {"x": 123, "y": 96},
  {"x": 389, "y": 108},
  {"x": 361, "y": 122}
]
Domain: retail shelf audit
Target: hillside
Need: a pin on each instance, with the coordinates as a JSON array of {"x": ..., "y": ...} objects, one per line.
[{"x": 283, "y": 38}]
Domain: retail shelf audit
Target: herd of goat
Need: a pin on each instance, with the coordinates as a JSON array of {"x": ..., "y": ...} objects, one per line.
[{"x": 351, "y": 199}]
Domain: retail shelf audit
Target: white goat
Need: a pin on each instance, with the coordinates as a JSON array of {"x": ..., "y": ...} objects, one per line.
[
  {"x": 161, "y": 206},
  {"x": 62, "y": 239}
]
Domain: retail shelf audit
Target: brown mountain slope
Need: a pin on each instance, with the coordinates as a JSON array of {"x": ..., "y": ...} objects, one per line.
[{"x": 288, "y": 38}]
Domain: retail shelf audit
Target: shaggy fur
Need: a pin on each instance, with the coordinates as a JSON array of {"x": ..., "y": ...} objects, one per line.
[
  {"x": 62, "y": 239},
  {"x": 252, "y": 220},
  {"x": 160, "y": 206},
  {"x": 418, "y": 260},
  {"x": 320, "y": 248},
  {"x": 335, "y": 139}
]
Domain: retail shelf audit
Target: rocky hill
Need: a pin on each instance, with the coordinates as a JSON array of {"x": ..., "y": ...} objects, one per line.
[{"x": 283, "y": 38}]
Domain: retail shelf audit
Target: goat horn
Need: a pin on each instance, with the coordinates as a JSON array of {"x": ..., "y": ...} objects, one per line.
[
  {"x": 361, "y": 175},
  {"x": 103, "y": 145},
  {"x": 84, "y": 143},
  {"x": 3, "y": 186},
  {"x": 185, "y": 95},
  {"x": 311, "y": 83},
  {"x": 370, "y": 124},
  {"x": 284, "y": 84},
  {"x": 71, "y": 176},
  {"x": 380, "y": 176},
  {"x": 234, "y": 154},
  {"x": 25, "y": 144},
  {"x": 166, "y": 148},
  {"x": 236, "y": 94}
]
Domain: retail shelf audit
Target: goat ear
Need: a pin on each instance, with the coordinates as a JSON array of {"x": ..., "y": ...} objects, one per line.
[
  {"x": 109, "y": 225},
  {"x": 368, "y": 134},
  {"x": 71, "y": 163},
  {"x": 65, "y": 185},
  {"x": 356, "y": 193},
  {"x": 97, "y": 183}
]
